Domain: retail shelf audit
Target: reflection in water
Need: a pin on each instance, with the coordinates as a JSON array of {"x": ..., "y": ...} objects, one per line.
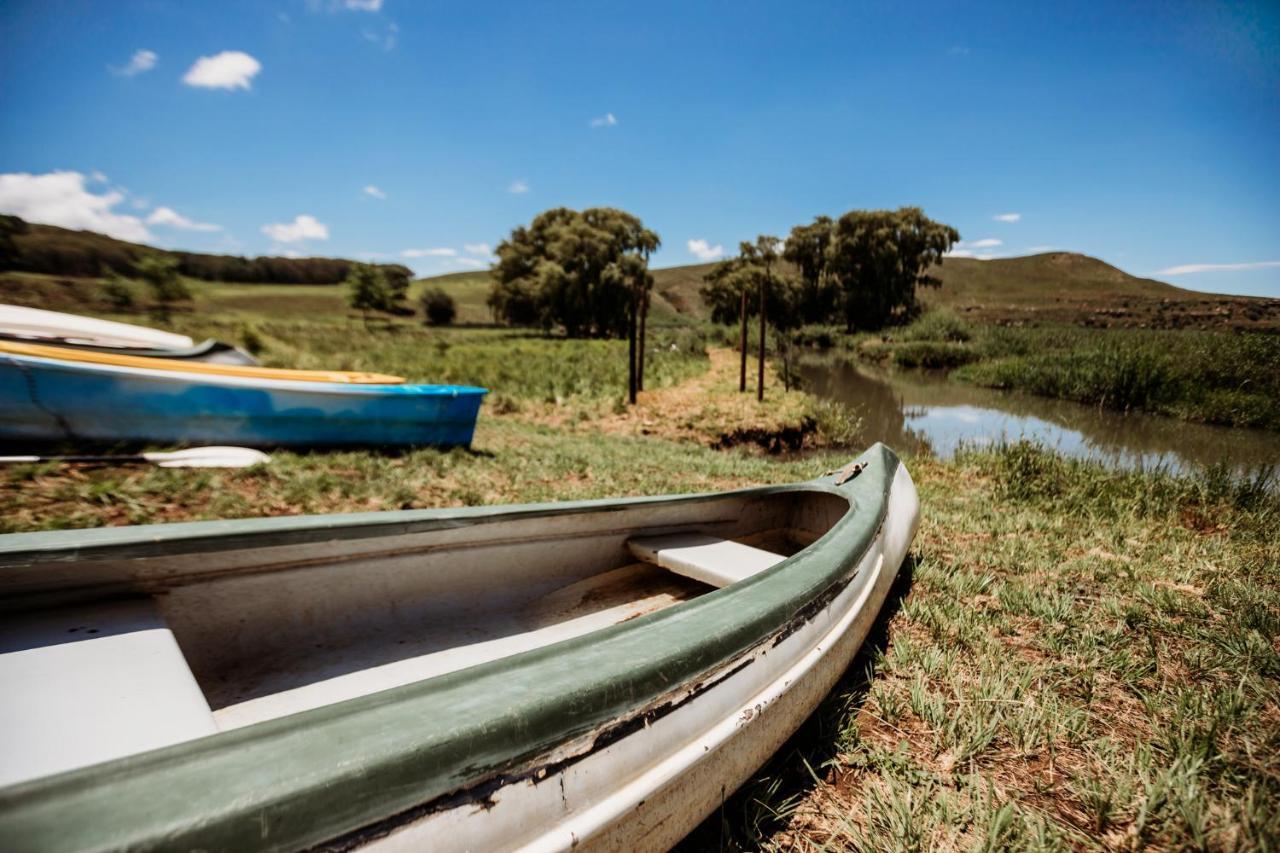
[{"x": 915, "y": 411}]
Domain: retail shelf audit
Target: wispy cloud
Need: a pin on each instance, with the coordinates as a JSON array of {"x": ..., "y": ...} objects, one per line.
[
  {"x": 231, "y": 69},
  {"x": 1034, "y": 249},
  {"x": 976, "y": 249},
  {"x": 362, "y": 5},
  {"x": 482, "y": 249},
  {"x": 168, "y": 217},
  {"x": 958, "y": 50},
  {"x": 303, "y": 227},
  {"x": 429, "y": 253},
  {"x": 141, "y": 61},
  {"x": 704, "y": 251},
  {"x": 386, "y": 39},
  {"x": 606, "y": 120},
  {"x": 1007, "y": 217},
  {"x": 474, "y": 263},
  {"x": 1190, "y": 269},
  {"x": 519, "y": 187},
  {"x": 969, "y": 253},
  {"x": 373, "y": 191},
  {"x": 60, "y": 198}
]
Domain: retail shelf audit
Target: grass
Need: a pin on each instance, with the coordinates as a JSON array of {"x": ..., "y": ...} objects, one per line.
[
  {"x": 1230, "y": 378},
  {"x": 1079, "y": 659}
]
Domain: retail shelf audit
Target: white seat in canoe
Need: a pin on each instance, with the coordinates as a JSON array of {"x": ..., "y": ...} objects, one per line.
[
  {"x": 88, "y": 684},
  {"x": 717, "y": 562}
]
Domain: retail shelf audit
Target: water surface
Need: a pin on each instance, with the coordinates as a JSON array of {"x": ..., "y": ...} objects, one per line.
[{"x": 917, "y": 411}]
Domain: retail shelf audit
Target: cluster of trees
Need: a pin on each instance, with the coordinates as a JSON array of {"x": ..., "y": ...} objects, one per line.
[
  {"x": 61, "y": 251},
  {"x": 378, "y": 288},
  {"x": 584, "y": 271},
  {"x": 861, "y": 270}
]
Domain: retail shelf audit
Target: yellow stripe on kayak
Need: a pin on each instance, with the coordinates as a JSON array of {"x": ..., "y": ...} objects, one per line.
[{"x": 241, "y": 370}]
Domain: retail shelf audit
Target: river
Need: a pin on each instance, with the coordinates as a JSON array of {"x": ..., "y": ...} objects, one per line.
[{"x": 921, "y": 411}]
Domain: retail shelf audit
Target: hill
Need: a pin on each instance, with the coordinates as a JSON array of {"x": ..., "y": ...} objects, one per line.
[
  {"x": 50, "y": 250},
  {"x": 1054, "y": 287}
]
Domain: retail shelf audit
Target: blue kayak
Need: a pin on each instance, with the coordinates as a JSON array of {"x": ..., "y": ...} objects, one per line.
[{"x": 52, "y": 400}]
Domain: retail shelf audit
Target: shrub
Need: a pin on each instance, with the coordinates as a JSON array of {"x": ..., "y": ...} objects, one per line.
[{"x": 438, "y": 307}]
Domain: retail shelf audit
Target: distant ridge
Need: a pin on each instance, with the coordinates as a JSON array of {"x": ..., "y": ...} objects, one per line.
[{"x": 1053, "y": 287}]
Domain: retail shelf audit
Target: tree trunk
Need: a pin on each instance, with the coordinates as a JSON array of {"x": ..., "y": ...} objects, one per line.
[
  {"x": 742, "y": 344},
  {"x": 760, "y": 379},
  {"x": 631, "y": 354},
  {"x": 644, "y": 315}
]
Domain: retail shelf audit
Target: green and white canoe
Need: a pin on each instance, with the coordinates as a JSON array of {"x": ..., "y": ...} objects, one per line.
[{"x": 599, "y": 673}]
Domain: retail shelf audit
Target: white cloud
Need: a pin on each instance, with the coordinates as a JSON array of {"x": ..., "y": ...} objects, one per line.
[
  {"x": 303, "y": 227},
  {"x": 60, "y": 198},
  {"x": 969, "y": 253},
  {"x": 1034, "y": 249},
  {"x": 967, "y": 250},
  {"x": 371, "y": 190},
  {"x": 1189, "y": 269},
  {"x": 519, "y": 187},
  {"x": 606, "y": 120},
  {"x": 704, "y": 251},
  {"x": 142, "y": 60},
  {"x": 169, "y": 217},
  {"x": 482, "y": 249},
  {"x": 97, "y": 177},
  {"x": 958, "y": 50},
  {"x": 428, "y": 253},
  {"x": 1007, "y": 217},
  {"x": 472, "y": 262},
  {"x": 231, "y": 69},
  {"x": 362, "y": 5},
  {"x": 386, "y": 39}
]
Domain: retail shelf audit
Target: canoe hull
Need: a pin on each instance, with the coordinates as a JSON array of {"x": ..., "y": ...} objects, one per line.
[
  {"x": 682, "y": 765},
  {"x": 46, "y": 400},
  {"x": 623, "y": 737}
]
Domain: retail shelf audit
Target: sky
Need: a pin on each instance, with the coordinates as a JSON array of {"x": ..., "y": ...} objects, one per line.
[{"x": 1145, "y": 134}]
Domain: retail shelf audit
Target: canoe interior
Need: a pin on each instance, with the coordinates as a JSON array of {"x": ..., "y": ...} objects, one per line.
[{"x": 267, "y": 629}]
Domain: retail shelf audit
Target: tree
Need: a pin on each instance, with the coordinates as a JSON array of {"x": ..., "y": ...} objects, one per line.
[
  {"x": 583, "y": 271},
  {"x": 397, "y": 278},
  {"x": 806, "y": 249},
  {"x": 117, "y": 290},
  {"x": 878, "y": 258},
  {"x": 368, "y": 290},
  {"x": 160, "y": 272},
  {"x": 438, "y": 307}
]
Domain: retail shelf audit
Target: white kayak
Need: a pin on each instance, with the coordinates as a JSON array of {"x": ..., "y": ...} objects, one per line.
[{"x": 38, "y": 324}]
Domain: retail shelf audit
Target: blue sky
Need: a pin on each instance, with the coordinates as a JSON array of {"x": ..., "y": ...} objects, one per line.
[{"x": 1145, "y": 134}]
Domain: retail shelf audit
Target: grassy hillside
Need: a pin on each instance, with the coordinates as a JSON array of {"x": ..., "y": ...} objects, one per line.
[{"x": 1056, "y": 287}]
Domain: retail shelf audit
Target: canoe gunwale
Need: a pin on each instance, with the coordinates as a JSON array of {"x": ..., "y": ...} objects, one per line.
[{"x": 282, "y": 778}]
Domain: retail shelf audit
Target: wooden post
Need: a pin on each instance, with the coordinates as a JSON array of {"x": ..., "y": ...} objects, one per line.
[
  {"x": 742, "y": 342},
  {"x": 760, "y": 381},
  {"x": 631, "y": 353},
  {"x": 644, "y": 314}
]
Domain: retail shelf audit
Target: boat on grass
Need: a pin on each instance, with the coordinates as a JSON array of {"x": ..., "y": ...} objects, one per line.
[
  {"x": 50, "y": 395},
  {"x": 599, "y": 673}
]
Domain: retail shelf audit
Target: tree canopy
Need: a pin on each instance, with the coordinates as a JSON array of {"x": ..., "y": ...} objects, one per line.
[
  {"x": 877, "y": 258},
  {"x": 578, "y": 270}
]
